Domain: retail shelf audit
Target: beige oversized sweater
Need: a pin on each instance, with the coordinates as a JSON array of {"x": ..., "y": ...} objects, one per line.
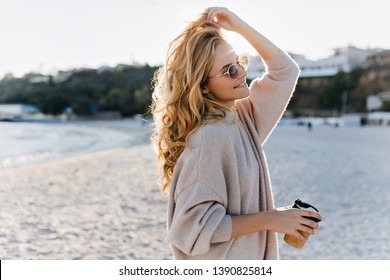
[{"x": 223, "y": 172}]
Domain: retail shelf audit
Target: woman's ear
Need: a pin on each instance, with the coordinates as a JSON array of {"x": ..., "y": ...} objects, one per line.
[{"x": 205, "y": 90}]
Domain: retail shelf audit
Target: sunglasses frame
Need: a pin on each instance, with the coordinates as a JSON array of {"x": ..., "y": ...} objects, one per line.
[{"x": 242, "y": 62}]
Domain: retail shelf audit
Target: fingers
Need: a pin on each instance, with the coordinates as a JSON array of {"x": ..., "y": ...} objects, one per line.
[
  {"x": 309, "y": 220},
  {"x": 300, "y": 235},
  {"x": 213, "y": 12},
  {"x": 224, "y": 18},
  {"x": 309, "y": 223},
  {"x": 311, "y": 215},
  {"x": 291, "y": 220},
  {"x": 306, "y": 229},
  {"x": 309, "y": 226}
]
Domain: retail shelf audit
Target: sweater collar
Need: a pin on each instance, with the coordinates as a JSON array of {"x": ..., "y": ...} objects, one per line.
[{"x": 231, "y": 116}]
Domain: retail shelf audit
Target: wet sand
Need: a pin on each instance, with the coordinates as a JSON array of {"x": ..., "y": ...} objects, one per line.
[{"x": 107, "y": 205}]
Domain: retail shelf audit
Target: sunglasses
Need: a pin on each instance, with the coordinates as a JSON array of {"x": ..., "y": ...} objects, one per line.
[{"x": 233, "y": 71}]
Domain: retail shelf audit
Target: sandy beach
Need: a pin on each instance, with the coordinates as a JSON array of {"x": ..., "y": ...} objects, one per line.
[
  {"x": 104, "y": 205},
  {"x": 107, "y": 205}
]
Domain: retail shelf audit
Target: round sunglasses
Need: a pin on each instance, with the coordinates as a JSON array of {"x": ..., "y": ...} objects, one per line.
[{"x": 233, "y": 71}]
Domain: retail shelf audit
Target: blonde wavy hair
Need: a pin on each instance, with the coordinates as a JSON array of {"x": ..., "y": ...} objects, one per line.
[{"x": 178, "y": 105}]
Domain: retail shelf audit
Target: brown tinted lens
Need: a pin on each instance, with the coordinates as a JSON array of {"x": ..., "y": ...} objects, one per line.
[{"x": 233, "y": 71}]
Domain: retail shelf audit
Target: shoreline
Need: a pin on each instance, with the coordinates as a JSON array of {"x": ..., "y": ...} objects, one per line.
[
  {"x": 67, "y": 159},
  {"x": 28, "y": 144}
]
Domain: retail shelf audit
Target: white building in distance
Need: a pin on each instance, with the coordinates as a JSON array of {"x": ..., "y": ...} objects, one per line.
[
  {"x": 375, "y": 102},
  {"x": 343, "y": 59}
]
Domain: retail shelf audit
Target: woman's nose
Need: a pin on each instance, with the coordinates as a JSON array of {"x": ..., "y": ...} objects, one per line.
[{"x": 242, "y": 71}]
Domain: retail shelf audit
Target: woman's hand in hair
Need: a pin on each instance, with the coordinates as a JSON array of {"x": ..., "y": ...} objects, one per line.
[
  {"x": 224, "y": 18},
  {"x": 231, "y": 22}
]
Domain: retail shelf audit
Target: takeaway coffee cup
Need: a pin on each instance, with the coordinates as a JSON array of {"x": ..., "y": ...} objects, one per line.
[{"x": 291, "y": 239}]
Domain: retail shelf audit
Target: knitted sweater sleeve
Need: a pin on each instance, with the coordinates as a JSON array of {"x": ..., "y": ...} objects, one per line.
[
  {"x": 271, "y": 93},
  {"x": 199, "y": 218}
]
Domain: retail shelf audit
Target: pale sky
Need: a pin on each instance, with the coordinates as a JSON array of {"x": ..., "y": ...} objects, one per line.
[{"x": 50, "y": 35}]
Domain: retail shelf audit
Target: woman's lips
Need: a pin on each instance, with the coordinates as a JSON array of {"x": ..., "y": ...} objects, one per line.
[{"x": 243, "y": 84}]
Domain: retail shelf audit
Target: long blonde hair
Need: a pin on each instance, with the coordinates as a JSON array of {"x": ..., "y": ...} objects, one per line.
[{"x": 178, "y": 105}]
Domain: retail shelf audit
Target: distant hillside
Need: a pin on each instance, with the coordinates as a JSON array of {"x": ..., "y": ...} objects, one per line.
[
  {"x": 345, "y": 91},
  {"x": 125, "y": 88}
]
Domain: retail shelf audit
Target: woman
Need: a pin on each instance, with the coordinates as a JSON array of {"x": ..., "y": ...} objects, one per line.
[{"x": 210, "y": 128}]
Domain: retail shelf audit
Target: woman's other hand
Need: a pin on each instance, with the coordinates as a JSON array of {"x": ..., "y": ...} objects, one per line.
[{"x": 290, "y": 220}]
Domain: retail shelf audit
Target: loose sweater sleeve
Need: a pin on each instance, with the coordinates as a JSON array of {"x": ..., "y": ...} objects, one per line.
[
  {"x": 199, "y": 218},
  {"x": 271, "y": 93}
]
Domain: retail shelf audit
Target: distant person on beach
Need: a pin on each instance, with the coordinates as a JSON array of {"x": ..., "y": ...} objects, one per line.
[
  {"x": 210, "y": 128},
  {"x": 309, "y": 126}
]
